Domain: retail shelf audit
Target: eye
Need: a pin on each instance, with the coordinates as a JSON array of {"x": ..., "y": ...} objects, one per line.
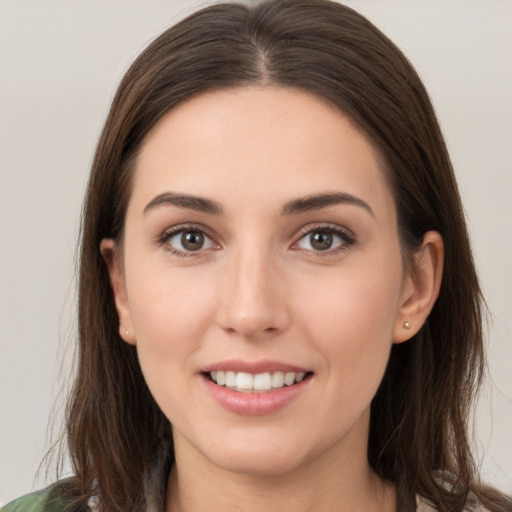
[
  {"x": 324, "y": 239},
  {"x": 185, "y": 241}
]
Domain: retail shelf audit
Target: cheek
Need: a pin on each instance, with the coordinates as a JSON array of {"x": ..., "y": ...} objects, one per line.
[
  {"x": 359, "y": 300},
  {"x": 350, "y": 317},
  {"x": 170, "y": 311}
]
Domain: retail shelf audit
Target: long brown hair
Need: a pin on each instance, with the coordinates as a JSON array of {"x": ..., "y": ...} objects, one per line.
[{"x": 117, "y": 435}]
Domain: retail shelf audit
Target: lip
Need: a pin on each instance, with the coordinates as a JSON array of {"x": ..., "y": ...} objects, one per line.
[
  {"x": 254, "y": 367},
  {"x": 255, "y": 403}
]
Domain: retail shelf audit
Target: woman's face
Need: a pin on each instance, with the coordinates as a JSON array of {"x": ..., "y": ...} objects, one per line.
[{"x": 261, "y": 278}]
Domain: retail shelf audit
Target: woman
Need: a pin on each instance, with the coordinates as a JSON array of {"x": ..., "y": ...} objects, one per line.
[{"x": 274, "y": 262}]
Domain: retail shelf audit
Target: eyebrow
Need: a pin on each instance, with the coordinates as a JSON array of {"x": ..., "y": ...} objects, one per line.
[
  {"x": 319, "y": 201},
  {"x": 184, "y": 201},
  {"x": 297, "y": 206}
]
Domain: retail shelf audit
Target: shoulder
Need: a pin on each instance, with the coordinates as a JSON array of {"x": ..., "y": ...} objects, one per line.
[{"x": 45, "y": 500}]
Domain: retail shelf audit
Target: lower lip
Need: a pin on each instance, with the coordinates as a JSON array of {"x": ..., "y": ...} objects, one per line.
[{"x": 255, "y": 404}]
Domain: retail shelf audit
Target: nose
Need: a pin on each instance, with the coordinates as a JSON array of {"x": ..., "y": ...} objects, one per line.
[{"x": 253, "y": 298}]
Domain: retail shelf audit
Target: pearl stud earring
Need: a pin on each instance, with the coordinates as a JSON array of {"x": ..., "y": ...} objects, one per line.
[{"x": 407, "y": 325}]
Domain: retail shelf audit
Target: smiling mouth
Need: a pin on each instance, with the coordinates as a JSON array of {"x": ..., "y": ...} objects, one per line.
[{"x": 256, "y": 383}]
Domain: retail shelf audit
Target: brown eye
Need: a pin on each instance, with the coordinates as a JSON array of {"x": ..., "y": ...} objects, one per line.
[
  {"x": 185, "y": 241},
  {"x": 321, "y": 240},
  {"x": 324, "y": 240},
  {"x": 192, "y": 240}
]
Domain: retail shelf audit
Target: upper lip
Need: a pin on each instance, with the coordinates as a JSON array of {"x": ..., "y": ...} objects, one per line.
[{"x": 254, "y": 367}]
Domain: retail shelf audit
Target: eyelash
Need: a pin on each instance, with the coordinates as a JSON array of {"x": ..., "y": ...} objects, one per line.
[
  {"x": 347, "y": 239},
  {"x": 183, "y": 228}
]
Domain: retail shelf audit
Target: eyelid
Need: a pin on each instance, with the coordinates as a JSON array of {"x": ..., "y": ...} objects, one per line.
[
  {"x": 346, "y": 235},
  {"x": 168, "y": 233}
]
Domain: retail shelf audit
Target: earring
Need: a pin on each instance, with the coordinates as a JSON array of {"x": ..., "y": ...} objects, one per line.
[
  {"x": 407, "y": 325},
  {"x": 127, "y": 331}
]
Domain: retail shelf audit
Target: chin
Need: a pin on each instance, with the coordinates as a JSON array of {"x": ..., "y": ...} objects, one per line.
[
  {"x": 261, "y": 464},
  {"x": 262, "y": 455}
]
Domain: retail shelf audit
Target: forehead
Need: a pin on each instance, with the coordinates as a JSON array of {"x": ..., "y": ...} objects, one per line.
[{"x": 258, "y": 142}]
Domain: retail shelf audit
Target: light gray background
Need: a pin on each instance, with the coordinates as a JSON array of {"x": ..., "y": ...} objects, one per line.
[{"x": 60, "y": 62}]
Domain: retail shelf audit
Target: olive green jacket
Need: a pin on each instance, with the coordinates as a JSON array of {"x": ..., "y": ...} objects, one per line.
[
  {"x": 34, "y": 502},
  {"x": 45, "y": 500}
]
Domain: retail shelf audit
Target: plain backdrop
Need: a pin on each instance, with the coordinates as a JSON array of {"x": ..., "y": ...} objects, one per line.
[{"x": 60, "y": 62}]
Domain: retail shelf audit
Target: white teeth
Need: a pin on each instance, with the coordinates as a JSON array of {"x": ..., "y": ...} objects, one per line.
[
  {"x": 243, "y": 381},
  {"x": 262, "y": 382},
  {"x": 277, "y": 379},
  {"x": 289, "y": 378},
  {"x": 230, "y": 379}
]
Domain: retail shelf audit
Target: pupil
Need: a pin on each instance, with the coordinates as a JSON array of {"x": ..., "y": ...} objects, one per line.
[
  {"x": 192, "y": 241},
  {"x": 321, "y": 240}
]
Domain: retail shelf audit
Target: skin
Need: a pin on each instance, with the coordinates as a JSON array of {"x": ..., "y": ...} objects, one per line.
[{"x": 259, "y": 290}]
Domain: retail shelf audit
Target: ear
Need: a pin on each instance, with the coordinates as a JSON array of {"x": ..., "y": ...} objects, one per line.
[
  {"x": 420, "y": 288},
  {"x": 112, "y": 257}
]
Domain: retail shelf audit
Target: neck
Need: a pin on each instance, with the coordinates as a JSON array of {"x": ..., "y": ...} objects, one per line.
[
  {"x": 337, "y": 480},
  {"x": 252, "y": 494}
]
